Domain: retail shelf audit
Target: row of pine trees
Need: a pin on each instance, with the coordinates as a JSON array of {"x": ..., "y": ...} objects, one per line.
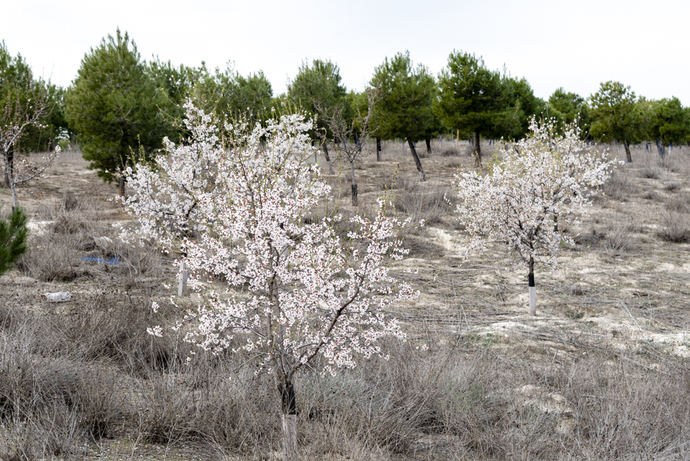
[{"x": 120, "y": 107}]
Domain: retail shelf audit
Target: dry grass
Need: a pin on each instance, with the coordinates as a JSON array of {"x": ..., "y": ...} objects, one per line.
[
  {"x": 675, "y": 227},
  {"x": 460, "y": 399},
  {"x": 599, "y": 374},
  {"x": 427, "y": 204}
]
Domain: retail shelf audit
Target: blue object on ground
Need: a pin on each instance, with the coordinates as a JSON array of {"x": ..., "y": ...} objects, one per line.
[{"x": 114, "y": 261}]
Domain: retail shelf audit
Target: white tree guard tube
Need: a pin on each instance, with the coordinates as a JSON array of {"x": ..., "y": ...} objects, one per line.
[
  {"x": 182, "y": 286},
  {"x": 532, "y": 301},
  {"x": 532, "y": 296},
  {"x": 289, "y": 437}
]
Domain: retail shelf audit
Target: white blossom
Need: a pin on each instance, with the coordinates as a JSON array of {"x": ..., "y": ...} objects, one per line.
[
  {"x": 541, "y": 182},
  {"x": 236, "y": 211}
]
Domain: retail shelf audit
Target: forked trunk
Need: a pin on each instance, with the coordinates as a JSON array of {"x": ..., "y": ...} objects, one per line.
[
  {"x": 324, "y": 147},
  {"x": 428, "y": 145},
  {"x": 628, "y": 156},
  {"x": 477, "y": 148},
  {"x": 289, "y": 420},
  {"x": 354, "y": 183},
  {"x": 378, "y": 149},
  {"x": 532, "y": 289},
  {"x": 417, "y": 162}
]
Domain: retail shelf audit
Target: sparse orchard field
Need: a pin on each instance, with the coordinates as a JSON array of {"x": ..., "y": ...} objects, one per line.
[{"x": 602, "y": 372}]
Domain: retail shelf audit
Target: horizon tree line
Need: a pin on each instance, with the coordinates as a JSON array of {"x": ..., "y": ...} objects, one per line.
[{"x": 121, "y": 107}]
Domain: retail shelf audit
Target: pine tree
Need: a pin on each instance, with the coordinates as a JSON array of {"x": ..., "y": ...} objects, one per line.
[
  {"x": 616, "y": 115},
  {"x": 114, "y": 107},
  {"x": 472, "y": 98},
  {"x": 13, "y": 233},
  {"x": 403, "y": 108}
]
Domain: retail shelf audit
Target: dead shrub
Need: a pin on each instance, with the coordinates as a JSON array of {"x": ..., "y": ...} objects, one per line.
[
  {"x": 55, "y": 254},
  {"x": 223, "y": 406},
  {"x": 619, "y": 186},
  {"x": 679, "y": 203},
  {"x": 128, "y": 259},
  {"x": 675, "y": 227},
  {"x": 41, "y": 387},
  {"x": 618, "y": 238},
  {"x": 59, "y": 253},
  {"x": 651, "y": 172},
  {"x": 623, "y": 412},
  {"x": 422, "y": 246},
  {"x": 70, "y": 201},
  {"x": 47, "y": 433},
  {"x": 53, "y": 257},
  {"x": 672, "y": 186},
  {"x": 114, "y": 329},
  {"x": 461, "y": 398},
  {"x": 671, "y": 162},
  {"x": 383, "y": 403},
  {"x": 420, "y": 203},
  {"x": 651, "y": 195},
  {"x": 591, "y": 238}
]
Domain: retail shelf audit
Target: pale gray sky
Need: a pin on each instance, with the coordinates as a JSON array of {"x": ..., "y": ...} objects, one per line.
[{"x": 573, "y": 44}]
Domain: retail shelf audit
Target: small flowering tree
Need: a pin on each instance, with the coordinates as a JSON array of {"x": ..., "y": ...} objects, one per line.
[
  {"x": 166, "y": 194},
  {"x": 293, "y": 292},
  {"x": 544, "y": 178}
]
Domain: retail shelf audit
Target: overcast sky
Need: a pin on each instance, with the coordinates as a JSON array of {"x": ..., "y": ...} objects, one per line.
[{"x": 573, "y": 44}]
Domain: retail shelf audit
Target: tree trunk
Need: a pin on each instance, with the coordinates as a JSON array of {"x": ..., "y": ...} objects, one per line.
[
  {"x": 9, "y": 177},
  {"x": 121, "y": 185},
  {"x": 417, "y": 162},
  {"x": 662, "y": 149},
  {"x": 9, "y": 165},
  {"x": 182, "y": 286},
  {"x": 428, "y": 145},
  {"x": 289, "y": 420},
  {"x": 628, "y": 157},
  {"x": 532, "y": 289},
  {"x": 378, "y": 149},
  {"x": 324, "y": 147},
  {"x": 354, "y": 184},
  {"x": 477, "y": 148}
]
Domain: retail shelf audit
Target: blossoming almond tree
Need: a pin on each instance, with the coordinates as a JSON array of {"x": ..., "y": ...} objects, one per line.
[
  {"x": 542, "y": 179},
  {"x": 166, "y": 195},
  {"x": 293, "y": 292}
]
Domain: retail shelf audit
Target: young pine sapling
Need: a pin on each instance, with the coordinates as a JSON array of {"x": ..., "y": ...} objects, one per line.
[{"x": 13, "y": 236}]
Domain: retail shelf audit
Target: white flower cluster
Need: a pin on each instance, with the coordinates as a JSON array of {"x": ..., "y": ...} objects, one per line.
[
  {"x": 543, "y": 180},
  {"x": 293, "y": 289}
]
